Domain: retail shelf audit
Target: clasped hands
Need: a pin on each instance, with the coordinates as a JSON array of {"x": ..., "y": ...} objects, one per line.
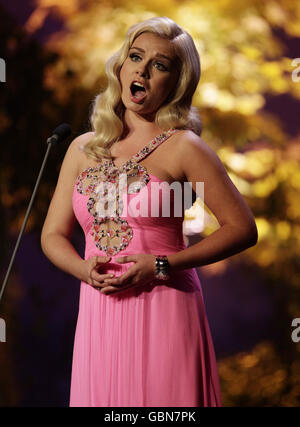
[{"x": 141, "y": 272}]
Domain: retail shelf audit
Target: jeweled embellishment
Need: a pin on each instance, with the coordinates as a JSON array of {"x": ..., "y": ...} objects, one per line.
[
  {"x": 111, "y": 235},
  {"x": 105, "y": 187}
]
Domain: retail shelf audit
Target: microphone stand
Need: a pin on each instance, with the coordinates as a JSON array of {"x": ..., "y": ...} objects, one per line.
[{"x": 50, "y": 141}]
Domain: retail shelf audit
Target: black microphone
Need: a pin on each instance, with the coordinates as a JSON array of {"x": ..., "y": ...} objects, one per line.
[{"x": 59, "y": 134}]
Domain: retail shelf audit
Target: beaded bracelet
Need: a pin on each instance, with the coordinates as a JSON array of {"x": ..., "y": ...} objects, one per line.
[{"x": 162, "y": 267}]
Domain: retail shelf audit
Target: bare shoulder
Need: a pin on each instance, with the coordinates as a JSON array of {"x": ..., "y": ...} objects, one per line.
[
  {"x": 75, "y": 152},
  {"x": 196, "y": 157},
  {"x": 190, "y": 143},
  {"x": 77, "y": 145},
  {"x": 83, "y": 139}
]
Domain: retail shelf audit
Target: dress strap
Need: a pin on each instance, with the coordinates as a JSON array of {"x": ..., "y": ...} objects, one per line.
[{"x": 144, "y": 152}]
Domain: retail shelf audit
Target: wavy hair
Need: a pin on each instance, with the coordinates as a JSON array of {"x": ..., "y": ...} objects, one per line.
[{"x": 107, "y": 117}]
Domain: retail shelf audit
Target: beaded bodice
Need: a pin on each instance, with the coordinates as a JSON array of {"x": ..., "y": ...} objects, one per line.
[{"x": 105, "y": 185}]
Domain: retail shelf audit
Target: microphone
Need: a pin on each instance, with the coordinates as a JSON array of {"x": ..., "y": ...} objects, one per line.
[{"x": 59, "y": 134}]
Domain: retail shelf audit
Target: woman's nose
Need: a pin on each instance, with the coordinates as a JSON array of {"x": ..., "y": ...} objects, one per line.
[{"x": 143, "y": 70}]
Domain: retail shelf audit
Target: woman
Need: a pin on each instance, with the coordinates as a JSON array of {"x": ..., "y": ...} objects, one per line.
[{"x": 142, "y": 337}]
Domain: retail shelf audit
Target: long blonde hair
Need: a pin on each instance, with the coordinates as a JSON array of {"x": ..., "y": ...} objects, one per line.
[{"x": 107, "y": 118}]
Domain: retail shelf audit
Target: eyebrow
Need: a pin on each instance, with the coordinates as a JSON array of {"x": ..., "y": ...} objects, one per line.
[{"x": 160, "y": 55}]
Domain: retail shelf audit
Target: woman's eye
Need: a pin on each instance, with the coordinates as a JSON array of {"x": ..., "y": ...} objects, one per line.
[
  {"x": 161, "y": 67},
  {"x": 134, "y": 57}
]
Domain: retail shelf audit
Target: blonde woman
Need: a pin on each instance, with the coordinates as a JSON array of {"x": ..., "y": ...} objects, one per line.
[{"x": 142, "y": 336}]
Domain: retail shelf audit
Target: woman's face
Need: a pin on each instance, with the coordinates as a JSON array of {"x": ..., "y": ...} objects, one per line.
[{"x": 148, "y": 74}]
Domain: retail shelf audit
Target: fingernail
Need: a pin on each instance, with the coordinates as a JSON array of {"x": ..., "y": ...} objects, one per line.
[{"x": 111, "y": 275}]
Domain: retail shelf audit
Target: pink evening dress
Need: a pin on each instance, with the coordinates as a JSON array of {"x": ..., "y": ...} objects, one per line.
[{"x": 150, "y": 345}]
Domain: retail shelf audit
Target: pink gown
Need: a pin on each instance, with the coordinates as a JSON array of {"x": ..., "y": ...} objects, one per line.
[{"x": 147, "y": 346}]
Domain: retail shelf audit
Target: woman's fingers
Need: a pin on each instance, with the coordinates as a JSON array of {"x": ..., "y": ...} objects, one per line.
[
  {"x": 113, "y": 289},
  {"x": 102, "y": 259},
  {"x": 119, "y": 284},
  {"x": 95, "y": 278},
  {"x": 98, "y": 279},
  {"x": 123, "y": 279}
]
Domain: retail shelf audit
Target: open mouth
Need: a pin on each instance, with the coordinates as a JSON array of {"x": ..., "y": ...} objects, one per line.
[{"x": 138, "y": 91}]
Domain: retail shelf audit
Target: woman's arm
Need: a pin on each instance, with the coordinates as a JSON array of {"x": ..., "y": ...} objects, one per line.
[
  {"x": 237, "y": 230},
  {"x": 60, "y": 220}
]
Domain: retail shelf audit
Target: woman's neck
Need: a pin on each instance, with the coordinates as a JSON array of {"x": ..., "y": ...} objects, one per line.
[{"x": 139, "y": 125}]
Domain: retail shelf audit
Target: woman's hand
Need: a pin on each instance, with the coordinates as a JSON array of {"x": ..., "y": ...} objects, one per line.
[
  {"x": 142, "y": 272},
  {"x": 91, "y": 273}
]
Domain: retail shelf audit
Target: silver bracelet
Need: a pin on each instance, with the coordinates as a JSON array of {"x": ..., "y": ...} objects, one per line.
[{"x": 162, "y": 267}]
